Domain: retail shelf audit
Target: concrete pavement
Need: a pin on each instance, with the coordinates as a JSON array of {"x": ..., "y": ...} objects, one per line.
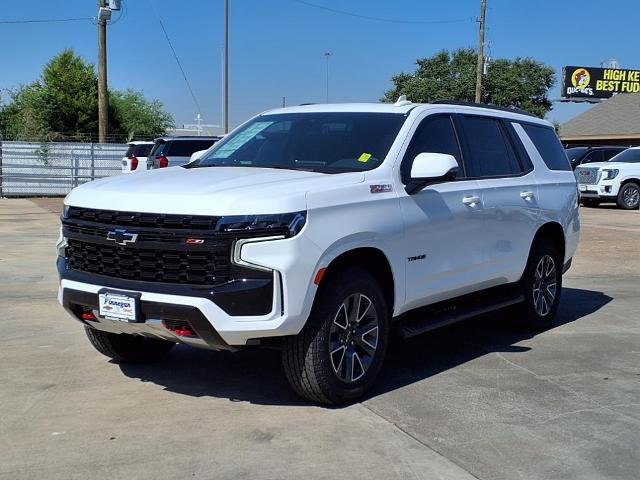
[{"x": 475, "y": 400}]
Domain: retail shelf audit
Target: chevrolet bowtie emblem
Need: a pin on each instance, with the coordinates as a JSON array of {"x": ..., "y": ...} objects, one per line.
[{"x": 122, "y": 237}]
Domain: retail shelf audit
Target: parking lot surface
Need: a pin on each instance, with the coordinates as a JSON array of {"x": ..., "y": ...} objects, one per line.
[{"x": 475, "y": 400}]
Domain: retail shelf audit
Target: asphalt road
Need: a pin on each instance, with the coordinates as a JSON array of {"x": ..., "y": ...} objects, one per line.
[{"x": 474, "y": 400}]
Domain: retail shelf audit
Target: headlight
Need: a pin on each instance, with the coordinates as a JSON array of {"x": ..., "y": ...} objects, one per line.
[
  {"x": 62, "y": 244},
  {"x": 287, "y": 224},
  {"x": 610, "y": 174}
]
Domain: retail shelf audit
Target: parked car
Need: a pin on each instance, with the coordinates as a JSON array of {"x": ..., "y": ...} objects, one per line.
[
  {"x": 317, "y": 229},
  {"x": 176, "y": 151},
  {"x": 617, "y": 180},
  {"x": 581, "y": 155},
  {"x": 135, "y": 160}
]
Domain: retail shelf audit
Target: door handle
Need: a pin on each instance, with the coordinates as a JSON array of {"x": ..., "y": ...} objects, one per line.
[
  {"x": 472, "y": 202},
  {"x": 527, "y": 195}
]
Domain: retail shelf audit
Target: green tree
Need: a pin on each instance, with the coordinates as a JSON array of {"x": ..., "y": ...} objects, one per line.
[
  {"x": 134, "y": 117},
  {"x": 63, "y": 104},
  {"x": 522, "y": 83}
]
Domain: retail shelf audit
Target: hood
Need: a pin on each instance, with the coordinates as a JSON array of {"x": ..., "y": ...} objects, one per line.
[
  {"x": 208, "y": 191},
  {"x": 603, "y": 165}
]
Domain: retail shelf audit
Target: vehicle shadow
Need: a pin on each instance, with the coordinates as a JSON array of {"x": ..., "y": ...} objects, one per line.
[{"x": 256, "y": 375}]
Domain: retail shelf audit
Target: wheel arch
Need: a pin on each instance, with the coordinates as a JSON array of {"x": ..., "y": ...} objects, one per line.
[
  {"x": 551, "y": 231},
  {"x": 372, "y": 259}
]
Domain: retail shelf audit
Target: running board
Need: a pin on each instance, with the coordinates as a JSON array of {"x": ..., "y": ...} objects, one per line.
[{"x": 425, "y": 320}]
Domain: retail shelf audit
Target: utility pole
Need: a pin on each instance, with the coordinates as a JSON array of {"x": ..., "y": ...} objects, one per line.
[
  {"x": 327, "y": 55},
  {"x": 103, "y": 100},
  {"x": 480, "y": 65},
  {"x": 225, "y": 120}
]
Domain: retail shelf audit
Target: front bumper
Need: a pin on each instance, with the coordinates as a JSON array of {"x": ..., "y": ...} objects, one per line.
[
  {"x": 603, "y": 190},
  {"x": 238, "y": 313}
]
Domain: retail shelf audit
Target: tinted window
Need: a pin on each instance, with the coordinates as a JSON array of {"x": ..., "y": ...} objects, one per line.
[
  {"x": 434, "y": 135},
  {"x": 491, "y": 152},
  {"x": 608, "y": 154},
  {"x": 184, "y": 148},
  {"x": 632, "y": 155},
  {"x": 593, "y": 156},
  {"x": 142, "y": 150},
  {"x": 326, "y": 142},
  {"x": 157, "y": 149},
  {"x": 548, "y": 145},
  {"x": 575, "y": 153}
]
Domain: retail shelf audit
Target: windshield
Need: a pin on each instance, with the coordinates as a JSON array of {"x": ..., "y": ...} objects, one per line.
[
  {"x": 332, "y": 142},
  {"x": 631, "y": 155}
]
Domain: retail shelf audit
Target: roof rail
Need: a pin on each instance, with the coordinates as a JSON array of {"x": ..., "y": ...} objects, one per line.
[{"x": 483, "y": 105}]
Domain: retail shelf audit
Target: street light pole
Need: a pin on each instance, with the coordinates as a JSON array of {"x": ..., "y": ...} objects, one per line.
[
  {"x": 225, "y": 120},
  {"x": 103, "y": 100},
  {"x": 480, "y": 64},
  {"x": 327, "y": 55}
]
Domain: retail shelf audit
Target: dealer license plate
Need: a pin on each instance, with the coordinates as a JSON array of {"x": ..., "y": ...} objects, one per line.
[{"x": 116, "y": 306}]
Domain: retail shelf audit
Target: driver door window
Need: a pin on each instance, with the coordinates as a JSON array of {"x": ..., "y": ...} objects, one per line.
[{"x": 434, "y": 135}]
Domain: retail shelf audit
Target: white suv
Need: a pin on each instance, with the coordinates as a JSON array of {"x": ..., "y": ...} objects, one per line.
[
  {"x": 320, "y": 228},
  {"x": 617, "y": 180}
]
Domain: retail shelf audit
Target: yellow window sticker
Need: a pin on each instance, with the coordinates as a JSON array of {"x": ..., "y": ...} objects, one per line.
[{"x": 364, "y": 158}]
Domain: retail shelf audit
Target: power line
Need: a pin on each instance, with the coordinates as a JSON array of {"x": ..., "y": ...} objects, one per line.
[
  {"x": 52, "y": 20},
  {"x": 175, "y": 55},
  {"x": 380, "y": 19}
]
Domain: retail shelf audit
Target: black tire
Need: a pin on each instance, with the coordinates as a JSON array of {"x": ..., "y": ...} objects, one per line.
[
  {"x": 590, "y": 202},
  {"x": 541, "y": 301},
  {"x": 629, "y": 196},
  {"x": 308, "y": 362},
  {"x": 128, "y": 348}
]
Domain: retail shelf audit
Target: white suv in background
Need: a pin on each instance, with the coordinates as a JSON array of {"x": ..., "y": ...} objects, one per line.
[
  {"x": 617, "y": 180},
  {"x": 135, "y": 160},
  {"x": 176, "y": 151},
  {"x": 317, "y": 229}
]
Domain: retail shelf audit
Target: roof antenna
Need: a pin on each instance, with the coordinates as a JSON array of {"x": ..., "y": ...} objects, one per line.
[{"x": 402, "y": 101}]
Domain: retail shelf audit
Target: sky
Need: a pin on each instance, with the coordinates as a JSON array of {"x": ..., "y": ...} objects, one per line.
[{"x": 277, "y": 46}]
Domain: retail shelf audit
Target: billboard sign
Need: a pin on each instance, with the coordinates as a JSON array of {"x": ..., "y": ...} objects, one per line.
[{"x": 592, "y": 82}]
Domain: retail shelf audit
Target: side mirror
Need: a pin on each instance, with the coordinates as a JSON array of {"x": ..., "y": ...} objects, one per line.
[
  {"x": 430, "y": 168},
  {"x": 197, "y": 155}
]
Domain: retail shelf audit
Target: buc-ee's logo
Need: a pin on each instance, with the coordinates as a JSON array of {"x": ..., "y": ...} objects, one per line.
[{"x": 580, "y": 79}]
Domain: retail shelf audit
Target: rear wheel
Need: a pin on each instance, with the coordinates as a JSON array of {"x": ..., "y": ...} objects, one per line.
[
  {"x": 590, "y": 202},
  {"x": 128, "y": 348},
  {"x": 339, "y": 352},
  {"x": 629, "y": 196},
  {"x": 541, "y": 286}
]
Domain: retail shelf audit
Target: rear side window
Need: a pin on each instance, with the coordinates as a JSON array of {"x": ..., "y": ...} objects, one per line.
[
  {"x": 592, "y": 156},
  {"x": 548, "y": 146},
  {"x": 491, "y": 152},
  {"x": 184, "y": 148},
  {"x": 157, "y": 149},
  {"x": 434, "y": 135},
  {"x": 609, "y": 154}
]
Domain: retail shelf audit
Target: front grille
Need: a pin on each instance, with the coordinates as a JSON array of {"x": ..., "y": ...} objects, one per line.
[
  {"x": 177, "y": 249},
  {"x": 206, "y": 267},
  {"x": 587, "y": 176}
]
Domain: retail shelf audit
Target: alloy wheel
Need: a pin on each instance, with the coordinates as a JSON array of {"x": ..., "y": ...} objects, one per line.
[
  {"x": 544, "y": 285},
  {"x": 631, "y": 197},
  {"x": 353, "y": 337}
]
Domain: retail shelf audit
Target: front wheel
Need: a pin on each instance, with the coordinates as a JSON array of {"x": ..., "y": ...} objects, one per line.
[
  {"x": 541, "y": 286},
  {"x": 629, "y": 196},
  {"x": 128, "y": 348},
  {"x": 338, "y": 354}
]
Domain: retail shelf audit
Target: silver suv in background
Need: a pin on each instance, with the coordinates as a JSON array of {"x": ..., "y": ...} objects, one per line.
[{"x": 176, "y": 151}]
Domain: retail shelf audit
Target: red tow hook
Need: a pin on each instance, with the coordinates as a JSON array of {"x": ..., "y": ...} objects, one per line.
[
  {"x": 184, "y": 332},
  {"x": 88, "y": 317}
]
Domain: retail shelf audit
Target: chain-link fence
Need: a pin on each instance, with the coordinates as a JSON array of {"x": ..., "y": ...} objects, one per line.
[{"x": 52, "y": 169}]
